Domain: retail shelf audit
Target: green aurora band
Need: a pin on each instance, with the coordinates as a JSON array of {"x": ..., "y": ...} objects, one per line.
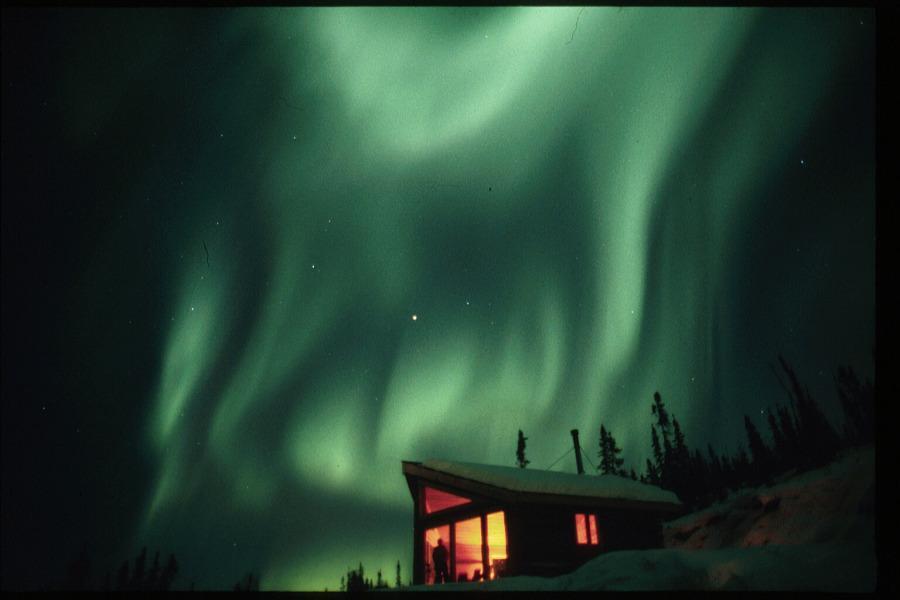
[{"x": 580, "y": 206}]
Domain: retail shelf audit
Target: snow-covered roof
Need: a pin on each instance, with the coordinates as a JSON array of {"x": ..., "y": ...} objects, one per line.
[{"x": 554, "y": 482}]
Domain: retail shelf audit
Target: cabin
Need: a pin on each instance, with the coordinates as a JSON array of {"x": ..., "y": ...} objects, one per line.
[{"x": 500, "y": 521}]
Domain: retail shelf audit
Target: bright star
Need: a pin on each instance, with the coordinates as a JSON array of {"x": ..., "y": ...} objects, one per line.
[{"x": 415, "y": 317}]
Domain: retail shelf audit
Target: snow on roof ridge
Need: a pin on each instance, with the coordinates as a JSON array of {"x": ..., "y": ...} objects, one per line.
[{"x": 554, "y": 482}]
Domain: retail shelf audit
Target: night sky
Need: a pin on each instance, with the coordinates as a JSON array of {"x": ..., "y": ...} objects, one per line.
[{"x": 253, "y": 258}]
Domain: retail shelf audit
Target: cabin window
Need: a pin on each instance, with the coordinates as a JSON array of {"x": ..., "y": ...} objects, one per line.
[
  {"x": 432, "y": 536},
  {"x": 496, "y": 533},
  {"x": 437, "y": 500},
  {"x": 468, "y": 549},
  {"x": 586, "y": 529}
]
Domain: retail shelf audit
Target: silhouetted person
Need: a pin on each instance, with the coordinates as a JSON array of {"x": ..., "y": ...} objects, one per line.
[{"x": 439, "y": 559}]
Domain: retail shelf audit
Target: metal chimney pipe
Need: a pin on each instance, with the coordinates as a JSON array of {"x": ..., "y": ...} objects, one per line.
[{"x": 577, "y": 452}]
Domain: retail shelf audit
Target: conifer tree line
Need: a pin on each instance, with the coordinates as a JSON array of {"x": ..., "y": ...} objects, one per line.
[
  {"x": 138, "y": 575},
  {"x": 131, "y": 576},
  {"x": 799, "y": 438},
  {"x": 356, "y": 581}
]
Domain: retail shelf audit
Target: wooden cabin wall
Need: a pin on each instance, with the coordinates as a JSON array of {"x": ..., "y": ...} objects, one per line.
[{"x": 542, "y": 539}]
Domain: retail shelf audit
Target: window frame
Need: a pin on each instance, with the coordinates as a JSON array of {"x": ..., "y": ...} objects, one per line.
[{"x": 590, "y": 529}]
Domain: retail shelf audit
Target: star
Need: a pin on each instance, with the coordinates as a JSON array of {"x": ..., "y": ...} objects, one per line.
[{"x": 415, "y": 317}]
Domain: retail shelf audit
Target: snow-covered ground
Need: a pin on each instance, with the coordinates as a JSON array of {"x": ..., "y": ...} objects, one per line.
[{"x": 815, "y": 531}]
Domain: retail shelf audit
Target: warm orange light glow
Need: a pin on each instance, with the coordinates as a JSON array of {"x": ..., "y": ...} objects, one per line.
[
  {"x": 496, "y": 528},
  {"x": 436, "y": 500},
  {"x": 580, "y": 529},
  {"x": 582, "y": 524},
  {"x": 431, "y": 541},
  {"x": 468, "y": 549}
]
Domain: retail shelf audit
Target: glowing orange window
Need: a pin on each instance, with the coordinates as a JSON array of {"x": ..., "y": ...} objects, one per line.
[
  {"x": 436, "y": 500},
  {"x": 468, "y": 550},
  {"x": 586, "y": 529},
  {"x": 496, "y": 531},
  {"x": 438, "y": 536}
]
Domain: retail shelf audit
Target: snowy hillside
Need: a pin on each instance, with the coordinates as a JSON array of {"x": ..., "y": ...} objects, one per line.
[{"x": 814, "y": 531}]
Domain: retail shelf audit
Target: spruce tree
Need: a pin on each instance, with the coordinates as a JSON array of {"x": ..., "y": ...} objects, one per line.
[
  {"x": 153, "y": 575},
  {"x": 659, "y": 461},
  {"x": 858, "y": 404},
  {"x": 610, "y": 462},
  {"x": 741, "y": 467},
  {"x": 137, "y": 578},
  {"x": 664, "y": 425},
  {"x": 250, "y": 583},
  {"x": 716, "y": 474},
  {"x": 819, "y": 441},
  {"x": 779, "y": 444},
  {"x": 520, "y": 451},
  {"x": 658, "y": 408},
  {"x": 398, "y": 582},
  {"x": 602, "y": 454},
  {"x": 652, "y": 477},
  {"x": 761, "y": 465},
  {"x": 788, "y": 427},
  {"x": 169, "y": 572},
  {"x": 680, "y": 455},
  {"x": 694, "y": 485},
  {"x": 122, "y": 579}
]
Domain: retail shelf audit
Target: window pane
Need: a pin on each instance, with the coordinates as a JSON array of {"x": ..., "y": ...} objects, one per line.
[
  {"x": 468, "y": 549},
  {"x": 496, "y": 527},
  {"x": 593, "y": 521},
  {"x": 432, "y": 536},
  {"x": 580, "y": 529},
  {"x": 436, "y": 500}
]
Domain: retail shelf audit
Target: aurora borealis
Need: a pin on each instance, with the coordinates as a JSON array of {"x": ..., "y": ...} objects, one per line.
[{"x": 219, "y": 225}]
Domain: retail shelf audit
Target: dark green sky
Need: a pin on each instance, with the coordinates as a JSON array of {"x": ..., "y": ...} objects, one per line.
[{"x": 579, "y": 208}]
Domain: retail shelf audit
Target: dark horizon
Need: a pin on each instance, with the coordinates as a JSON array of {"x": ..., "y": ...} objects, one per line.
[{"x": 254, "y": 258}]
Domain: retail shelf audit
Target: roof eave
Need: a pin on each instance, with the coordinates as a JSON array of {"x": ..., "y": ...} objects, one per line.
[{"x": 416, "y": 469}]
